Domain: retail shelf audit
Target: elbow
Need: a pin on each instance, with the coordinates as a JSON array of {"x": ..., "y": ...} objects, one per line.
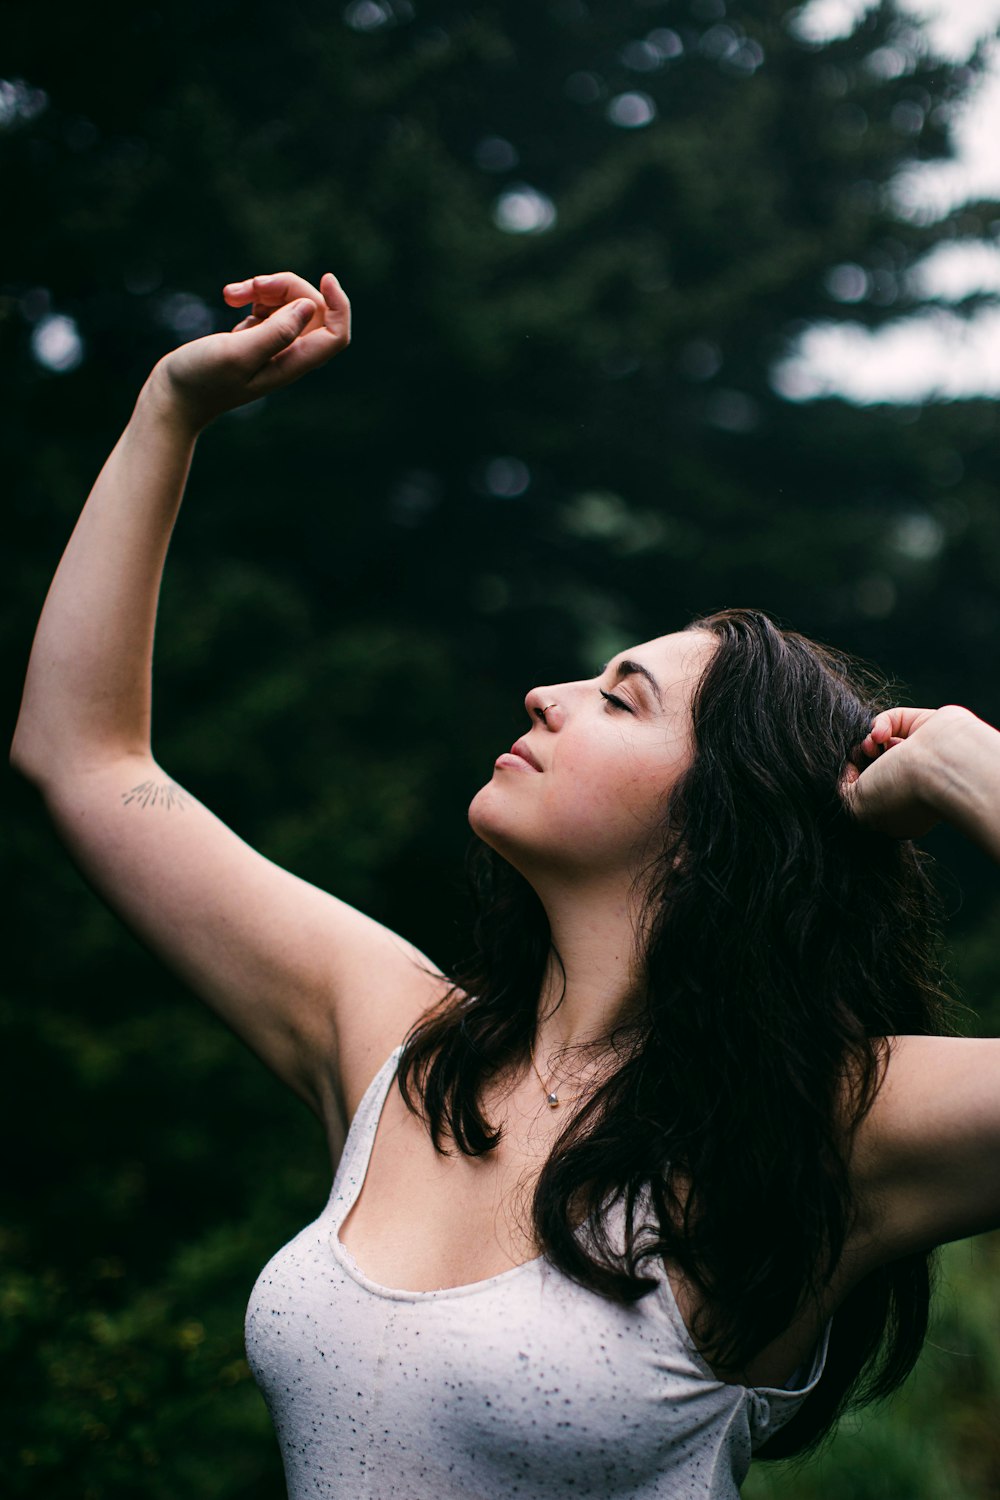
[
  {"x": 37, "y": 750},
  {"x": 25, "y": 755},
  {"x": 48, "y": 750},
  {"x": 21, "y": 758},
  {"x": 51, "y": 761}
]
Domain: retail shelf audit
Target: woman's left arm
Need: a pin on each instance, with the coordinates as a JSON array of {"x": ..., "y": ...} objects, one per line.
[{"x": 927, "y": 1156}]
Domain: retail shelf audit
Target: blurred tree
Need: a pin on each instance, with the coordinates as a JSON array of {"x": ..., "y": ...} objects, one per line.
[{"x": 578, "y": 238}]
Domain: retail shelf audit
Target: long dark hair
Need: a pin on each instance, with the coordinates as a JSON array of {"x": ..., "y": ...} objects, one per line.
[{"x": 786, "y": 942}]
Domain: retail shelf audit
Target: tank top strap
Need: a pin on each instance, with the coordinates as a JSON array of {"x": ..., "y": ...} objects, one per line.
[
  {"x": 770, "y": 1407},
  {"x": 361, "y": 1138}
]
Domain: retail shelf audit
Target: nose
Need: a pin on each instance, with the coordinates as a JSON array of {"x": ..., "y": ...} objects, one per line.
[{"x": 543, "y": 704}]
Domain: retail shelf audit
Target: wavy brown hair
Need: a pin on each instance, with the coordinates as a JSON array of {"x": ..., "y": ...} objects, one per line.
[{"x": 786, "y": 942}]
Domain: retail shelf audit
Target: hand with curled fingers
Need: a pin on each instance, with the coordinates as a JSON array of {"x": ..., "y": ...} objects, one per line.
[
  {"x": 896, "y": 780},
  {"x": 292, "y": 327}
]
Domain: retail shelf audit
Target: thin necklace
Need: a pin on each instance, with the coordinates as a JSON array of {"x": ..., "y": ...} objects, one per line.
[{"x": 552, "y": 1099}]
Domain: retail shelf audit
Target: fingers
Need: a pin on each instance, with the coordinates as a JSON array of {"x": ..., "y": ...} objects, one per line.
[
  {"x": 266, "y": 294},
  {"x": 264, "y": 339},
  {"x": 891, "y": 727},
  {"x": 273, "y": 290},
  {"x": 336, "y": 298}
]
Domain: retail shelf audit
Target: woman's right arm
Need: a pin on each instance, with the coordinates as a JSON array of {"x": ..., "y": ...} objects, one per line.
[{"x": 319, "y": 991}]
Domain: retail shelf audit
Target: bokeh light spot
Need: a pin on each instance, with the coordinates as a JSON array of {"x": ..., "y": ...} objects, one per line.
[
  {"x": 700, "y": 359},
  {"x": 494, "y": 154},
  {"x": 847, "y": 282},
  {"x": 584, "y": 88},
  {"x": 666, "y": 42},
  {"x": 366, "y": 15},
  {"x": 505, "y": 477},
  {"x": 186, "y": 314},
  {"x": 907, "y": 117},
  {"x": 919, "y": 537},
  {"x": 631, "y": 111},
  {"x": 19, "y": 102},
  {"x": 732, "y": 411},
  {"x": 369, "y": 15},
  {"x": 718, "y": 42},
  {"x": 524, "y": 210},
  {"x": 745, "y": 58},
  {"x": 887, "y": 63},
  {"x": 56, "y": 343}
]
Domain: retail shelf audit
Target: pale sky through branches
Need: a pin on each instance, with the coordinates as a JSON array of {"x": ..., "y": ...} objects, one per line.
[{"x": 936, "y": 355}]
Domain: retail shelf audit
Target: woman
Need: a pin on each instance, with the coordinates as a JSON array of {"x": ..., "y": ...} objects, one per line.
[{"x": 653, "y": 1184}]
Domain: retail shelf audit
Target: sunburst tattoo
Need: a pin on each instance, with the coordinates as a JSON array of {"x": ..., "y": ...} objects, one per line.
[{"x": 155, "y": 794}]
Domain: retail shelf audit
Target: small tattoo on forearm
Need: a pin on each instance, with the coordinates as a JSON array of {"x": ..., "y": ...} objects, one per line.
[{"x": 155, "y": 794}]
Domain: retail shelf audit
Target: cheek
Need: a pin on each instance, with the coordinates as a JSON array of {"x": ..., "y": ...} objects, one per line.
[
  {"x": 609, "y": 805},
  {"x": 633, "y": 803},
  {"x": 623, "y": 782}
]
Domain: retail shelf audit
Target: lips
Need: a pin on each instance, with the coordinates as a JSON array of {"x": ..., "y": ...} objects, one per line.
[{"x": 521, "y": 749}]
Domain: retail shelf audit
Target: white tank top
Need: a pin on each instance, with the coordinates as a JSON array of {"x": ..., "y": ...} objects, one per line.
[{"x": 521, "y": 1387}]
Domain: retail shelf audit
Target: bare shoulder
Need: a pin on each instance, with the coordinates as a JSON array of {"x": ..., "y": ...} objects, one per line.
[
  {"x": 926, "y": 1159},
  {"x": 392, "y": 985}
]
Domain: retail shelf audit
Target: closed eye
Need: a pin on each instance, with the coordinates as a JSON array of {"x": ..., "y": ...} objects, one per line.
[{"x": 615, "y": 701}]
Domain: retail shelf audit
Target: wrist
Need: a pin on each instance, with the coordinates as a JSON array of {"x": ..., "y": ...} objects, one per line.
[
  {"x": 161, "y": 403},
  {"x": 962, "y": 770}
]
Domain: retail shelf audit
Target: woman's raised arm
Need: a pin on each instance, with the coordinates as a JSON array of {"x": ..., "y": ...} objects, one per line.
[
  {"x": 927, "y": 1157},
  {"x": 319, "y": 991}
]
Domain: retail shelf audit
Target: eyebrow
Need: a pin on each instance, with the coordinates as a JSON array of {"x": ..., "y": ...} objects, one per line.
[{"x": 636, "y": 669}]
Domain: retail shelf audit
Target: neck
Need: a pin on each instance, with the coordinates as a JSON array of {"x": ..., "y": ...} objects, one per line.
[{"x": 582, "y": 1001}]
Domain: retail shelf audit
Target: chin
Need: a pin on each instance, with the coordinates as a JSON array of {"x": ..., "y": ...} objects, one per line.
[
  {"x": 480, "y": 820},
  {"x": 490, "y": 821}
]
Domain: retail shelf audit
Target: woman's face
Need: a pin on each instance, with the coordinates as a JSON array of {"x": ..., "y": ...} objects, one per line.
[{"x": 587, "y": 783}]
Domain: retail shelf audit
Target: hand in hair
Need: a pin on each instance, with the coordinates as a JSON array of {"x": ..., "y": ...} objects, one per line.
[
  {"x": 292, "y": 328},
  {"x": 915, "y": 767}
]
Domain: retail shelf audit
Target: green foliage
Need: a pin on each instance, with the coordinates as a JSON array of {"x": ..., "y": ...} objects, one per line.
[
  {"x": 937, "y": 1437},
  {"x": 540, "y": 446}
]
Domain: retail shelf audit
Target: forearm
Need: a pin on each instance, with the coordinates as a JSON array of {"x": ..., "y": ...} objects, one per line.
[
  {"x": 964, "y": 779},
  {"x": 87, "y": 696}
]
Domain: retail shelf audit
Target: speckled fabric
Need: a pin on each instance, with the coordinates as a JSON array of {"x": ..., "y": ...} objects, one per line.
[{"x": 522, "y": 1385}]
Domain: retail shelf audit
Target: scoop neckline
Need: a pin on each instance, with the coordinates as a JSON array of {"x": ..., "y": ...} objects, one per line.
[{"x": 407, "y": 1294}]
